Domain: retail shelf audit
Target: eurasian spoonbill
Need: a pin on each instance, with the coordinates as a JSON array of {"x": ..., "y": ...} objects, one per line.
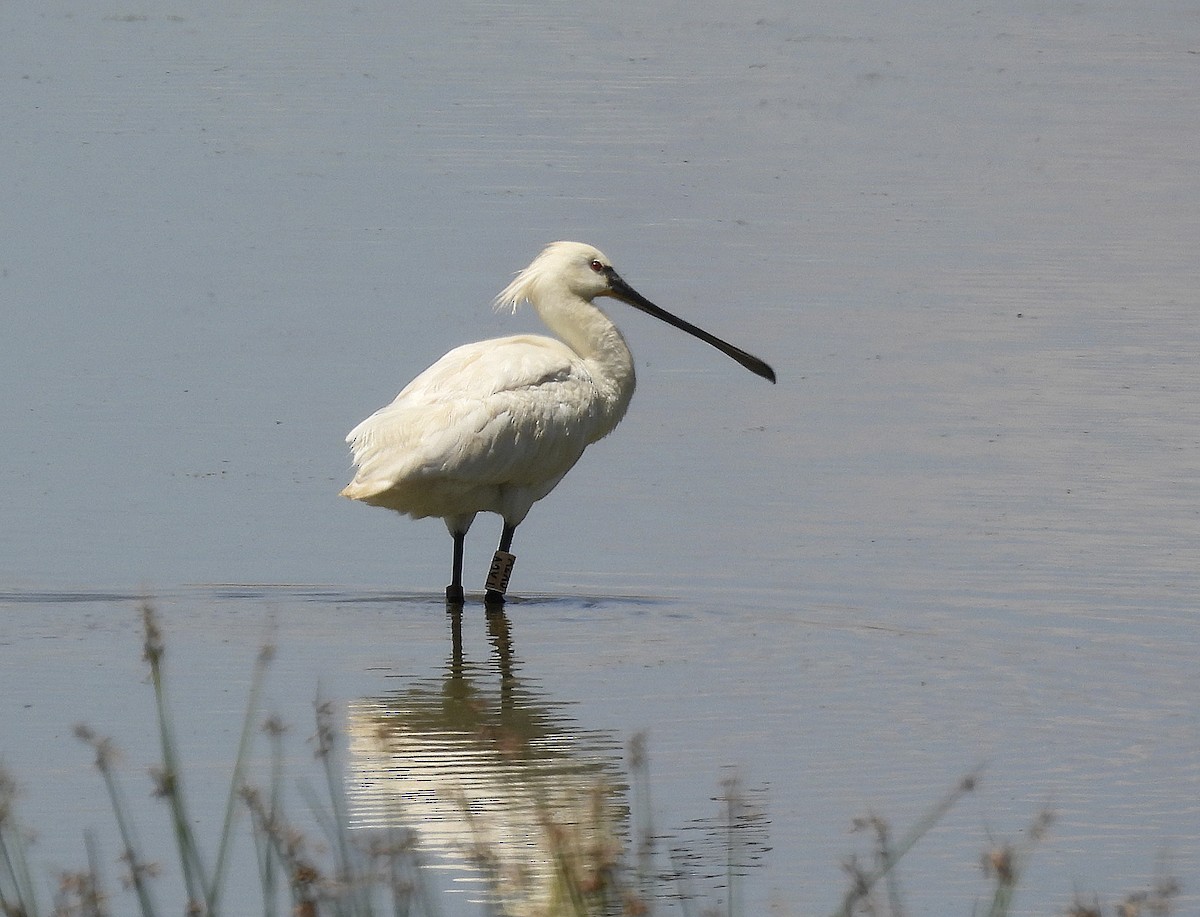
[{"x": 494, "y": 426}]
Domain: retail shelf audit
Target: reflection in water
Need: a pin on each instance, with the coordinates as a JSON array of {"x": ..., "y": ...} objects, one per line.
[
  {"x": 496, "y": 781},
  {"x": 710, "y": 854}
]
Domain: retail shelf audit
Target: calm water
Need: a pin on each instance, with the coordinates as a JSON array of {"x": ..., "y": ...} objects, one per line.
[{"x": 964, "y": 527}]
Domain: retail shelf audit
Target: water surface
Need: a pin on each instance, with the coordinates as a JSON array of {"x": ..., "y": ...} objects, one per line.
[{"x": 962, "y": 528}]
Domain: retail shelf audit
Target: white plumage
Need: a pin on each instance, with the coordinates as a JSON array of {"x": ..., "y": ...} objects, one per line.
[{"x": 493, "y": 426}]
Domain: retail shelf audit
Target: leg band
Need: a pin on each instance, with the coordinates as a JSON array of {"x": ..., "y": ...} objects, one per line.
[{"x": 500, "y": 571}]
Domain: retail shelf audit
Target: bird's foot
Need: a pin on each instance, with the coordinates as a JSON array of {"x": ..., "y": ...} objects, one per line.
[{"x": 454, "y": 595}]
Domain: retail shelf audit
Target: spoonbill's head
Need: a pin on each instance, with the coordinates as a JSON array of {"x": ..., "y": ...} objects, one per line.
[
  {"x": 573, "y": 267},
  {"x": 582, "y": 271}
]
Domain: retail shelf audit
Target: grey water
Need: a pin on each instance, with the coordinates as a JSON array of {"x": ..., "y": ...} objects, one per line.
[{"x": 963, "y": 529}]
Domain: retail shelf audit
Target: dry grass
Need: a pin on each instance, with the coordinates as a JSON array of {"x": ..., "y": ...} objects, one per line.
[{"x": 362, "y": 874}]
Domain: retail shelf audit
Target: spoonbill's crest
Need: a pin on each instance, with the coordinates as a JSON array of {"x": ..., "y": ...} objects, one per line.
[
  {"x": 559, "y": 265},
  {"x": 494, "y": 426}
]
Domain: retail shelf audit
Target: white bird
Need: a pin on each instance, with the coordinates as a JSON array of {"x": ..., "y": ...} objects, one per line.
[{"x": 494, "y": 426}]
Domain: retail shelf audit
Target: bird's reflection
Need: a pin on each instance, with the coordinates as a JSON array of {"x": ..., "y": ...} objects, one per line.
[{"x": 503, "y": 788}]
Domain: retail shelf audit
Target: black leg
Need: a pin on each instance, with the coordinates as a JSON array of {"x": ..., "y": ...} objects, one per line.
[
  {"x": 502, "y": 564},
  {"x": 454, "y": 592}
]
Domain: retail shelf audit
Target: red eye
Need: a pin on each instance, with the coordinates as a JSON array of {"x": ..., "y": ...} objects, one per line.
[{"x": 597, "y": 266}]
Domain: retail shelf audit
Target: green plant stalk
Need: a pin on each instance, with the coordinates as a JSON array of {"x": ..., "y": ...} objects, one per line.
[
  {"x": 568, "y": 858},
  {"x": 8, "y": 903},
  {"x": 417, "y": 888},
  {"x": 481, "y": 856},
  {"x": 12, "y": 854},
  {"x": 401, "y": 902},
  {"x": 338, "y": 808},
  {"x": 132, "y": 853},
  {"x": 919, "y": 830},
  {"x": 97, "y": 895},
  {"x": 1003, "y": 898},
  {"x": 639, "y": 768},
  {"x": 332, "y": 826},
  {"x": 16, "y": 869},
  {"x": 235, "y": 780},
  {"x": 567, "y": 887},
  {"x": 189, "y": 852},
  {"x": 274, "y": 849},
  {"x": 264, "y": 847},
  {"x": 686, "y": 893},
  {"x": 403, "y": 892},
  {"x": 337, "y": 803},
  {"x": 267, "y": 869},
  {"x": 884, "y": 855}
]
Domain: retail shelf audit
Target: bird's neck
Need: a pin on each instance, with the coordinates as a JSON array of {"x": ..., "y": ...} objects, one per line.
[{"x": 585, "y": 328}]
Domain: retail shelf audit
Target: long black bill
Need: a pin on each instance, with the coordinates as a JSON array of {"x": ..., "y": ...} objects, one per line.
[{"x": 619, "y": 289}]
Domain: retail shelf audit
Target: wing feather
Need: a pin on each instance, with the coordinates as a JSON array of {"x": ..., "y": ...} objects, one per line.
[{"x": 512, "y": 411}]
